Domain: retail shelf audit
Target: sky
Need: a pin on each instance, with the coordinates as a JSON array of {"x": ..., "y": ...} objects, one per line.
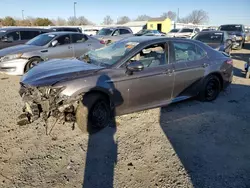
[{"x": 219, "y": 11}]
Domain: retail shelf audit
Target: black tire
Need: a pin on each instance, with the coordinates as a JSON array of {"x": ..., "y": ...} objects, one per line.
[
  {"x": 31, "y": 63},
  {"x": 210, "y": 89},
  {"x": 93, "y": 113}
]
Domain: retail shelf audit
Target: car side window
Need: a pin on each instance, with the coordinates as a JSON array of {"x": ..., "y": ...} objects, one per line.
[
  {"x": 13, "y": 36},
  {"x": 152, "y": 56},
  {"x": 78, "y": 38},
  {"x": 63, "y": 40},
  {"x": 187, "y": 52},
  {"x": 27, "y": 35},
  {"x": 124, "y": 31},
  {"x": 116, "y": 33}
]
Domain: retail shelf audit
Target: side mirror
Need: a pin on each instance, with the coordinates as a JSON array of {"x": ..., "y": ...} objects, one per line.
[
  {"x": 54, "y": 43},
  {"x": 134, "y": 66}
]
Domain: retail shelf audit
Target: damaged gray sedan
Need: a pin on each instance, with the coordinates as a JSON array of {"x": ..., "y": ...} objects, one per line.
[{"x": 130, "y": 75}]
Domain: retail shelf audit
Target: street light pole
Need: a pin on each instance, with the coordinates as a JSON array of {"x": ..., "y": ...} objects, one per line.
[
  {"x": 22, "y": 14},
  {"x": 75, "y": 10}
]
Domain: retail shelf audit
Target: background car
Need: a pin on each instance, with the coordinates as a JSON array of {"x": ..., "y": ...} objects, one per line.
[
  {"x": 112, "y": 34},
  {"x": 208, "y": 29},
  {"x": 12, "y": 36},
  {"x": 218, "y": 40},
  {"x": 172, "y": 32},
  {"x": 236, "y": 31},
  {"x": 19, "y": 59},
  {"x": 186, "y": 32},
  {"x": 71, "y": 29},
  {"x": 129, "y": 75},
  {"x": 147, "y": 32},
  {"x": 90, "y": 32}
]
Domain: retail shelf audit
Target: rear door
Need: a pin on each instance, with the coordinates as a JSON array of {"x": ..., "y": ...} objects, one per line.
[
  {"x": 63, "y": 49},
  {"x": 189, "y": 63}
]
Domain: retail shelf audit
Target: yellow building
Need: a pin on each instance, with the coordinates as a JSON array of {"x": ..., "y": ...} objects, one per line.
[{"x": 161, "y": 24}]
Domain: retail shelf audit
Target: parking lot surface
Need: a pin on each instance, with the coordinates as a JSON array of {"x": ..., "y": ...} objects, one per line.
[{"x": 189, "y": 144}]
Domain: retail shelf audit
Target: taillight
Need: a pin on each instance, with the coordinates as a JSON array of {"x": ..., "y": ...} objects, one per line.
[{"x": 102, "y": 41}]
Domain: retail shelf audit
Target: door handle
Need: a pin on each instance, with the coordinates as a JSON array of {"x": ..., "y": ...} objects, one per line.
[
  {"x": 169, "y": 72},
  {"x": 204, "y": 64},
  {"x": 69, "y": 47},
  {"x": 89, "y": 44}
]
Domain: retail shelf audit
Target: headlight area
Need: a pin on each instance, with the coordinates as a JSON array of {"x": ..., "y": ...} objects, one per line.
[
  {"x": 10, "y": 57},
  {"x": 46, "y": 102},
  {"x": 238, "y": 38}
]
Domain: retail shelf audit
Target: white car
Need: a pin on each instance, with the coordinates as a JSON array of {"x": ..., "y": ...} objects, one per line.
[
  {"x": 186, "y": 32},
  {"x": 172, "y": 32}
]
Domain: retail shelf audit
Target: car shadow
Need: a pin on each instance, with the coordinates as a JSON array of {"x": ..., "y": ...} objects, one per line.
[
  {"x": 101, "y": 156},
  {"x": 239, "y": 72},
  {"x": 214, "y": 154}
]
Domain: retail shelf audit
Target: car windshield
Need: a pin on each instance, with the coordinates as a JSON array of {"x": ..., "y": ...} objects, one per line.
[
  {"x": 105, "y": 32},
  {"x": 209, "y": 37},
  {"x": 41, "y": 40},
  {"x": 109, "y": 55},
  {"x": 230, "y": 28},
  {"x": 174, "y": 30}
]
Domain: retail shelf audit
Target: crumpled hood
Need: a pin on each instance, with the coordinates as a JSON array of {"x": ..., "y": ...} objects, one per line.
[
  {"x": 19, "y": 49},
  {"x": 50, "y": 72}
]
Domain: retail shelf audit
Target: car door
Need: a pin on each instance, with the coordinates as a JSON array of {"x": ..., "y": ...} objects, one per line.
[
  {"x": 189, "y": 63},
  {"x": 63, "y": 49},
  {"x": 11, "y": 39},
  {"x": 152, "y": 86},
  {"x": 80, "y": 44}
]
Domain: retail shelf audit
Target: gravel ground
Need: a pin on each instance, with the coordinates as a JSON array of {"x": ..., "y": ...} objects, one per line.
[{"x": 189, "y": 144}]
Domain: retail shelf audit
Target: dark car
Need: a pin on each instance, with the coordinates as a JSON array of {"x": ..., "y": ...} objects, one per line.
[
  {"x": 70, "y": 29},
  {"x": 147, "y": 32},
  {"x": 15, "y": 35},
  {"x": 129, "y": 75},
  {"x": 219, "y": 40},
  {"x": 237, "y": 32}
]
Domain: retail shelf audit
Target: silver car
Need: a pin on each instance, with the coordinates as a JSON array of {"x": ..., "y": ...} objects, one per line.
[
  {"x": 112, "y": 34},
  {"x": 19, "y": 59}
]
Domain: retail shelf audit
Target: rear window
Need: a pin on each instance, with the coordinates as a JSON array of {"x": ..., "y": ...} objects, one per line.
[
  {"x": 186, "y": 30},
  {"x": 209, "y": 37},
  {"x": 105, "y": 31},
  {"x": 231, "y": 28},
  {"x": 174, "y": 30}
]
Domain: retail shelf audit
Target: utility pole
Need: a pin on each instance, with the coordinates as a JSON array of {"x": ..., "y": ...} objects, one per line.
[
  {"x": 75, "y": 10},
  {"x": 178, "y": 15},
  {"x": 22, "y": 14}
]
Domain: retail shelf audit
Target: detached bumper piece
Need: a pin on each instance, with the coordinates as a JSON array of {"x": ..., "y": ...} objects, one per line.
[{"x": 39, "y": 103}]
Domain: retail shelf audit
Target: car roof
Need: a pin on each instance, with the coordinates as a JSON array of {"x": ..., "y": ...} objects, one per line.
[
  {"x": 231, "y": 24},
  {"x": 118, "y": 27},
  {"x": 61, "y": 33},
  {"x": 142, "y": 39},
  {"x": 22, "y": 28}
]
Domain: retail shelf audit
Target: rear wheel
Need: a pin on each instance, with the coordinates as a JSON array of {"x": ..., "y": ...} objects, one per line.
[
  {"x": 93, "y": 113},
  {"x": 32, "y": 62},
  {"x": 210, "y": 89}
]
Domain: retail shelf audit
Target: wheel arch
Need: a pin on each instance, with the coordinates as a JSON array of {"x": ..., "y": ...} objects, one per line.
[
  {"x": 25, "y": 67},
  {"x": 218, "y": 75}
]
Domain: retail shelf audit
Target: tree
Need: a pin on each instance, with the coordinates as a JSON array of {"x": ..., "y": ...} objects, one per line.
[
  {"x": 171, "y": 15},
  {"x": 196, "y": 17},
  {"x": 23, "y": 22},
  {"x": 142, "y": 18},
  {"x": 60, "y": 21},
  {"x": 42, "y": 22},
  {"x": 107, "y": 20},
  {"x": 8, "y": 21},
  {"x": 72, "y": 21},
  {"x": 1, "y": 21},
  {"x": 31, "y": 20},
  {"x": 123, "y": 20},
  {"x": 83, "y": 21}
]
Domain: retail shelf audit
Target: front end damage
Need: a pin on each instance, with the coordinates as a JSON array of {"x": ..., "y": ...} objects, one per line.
[{"x": 45, "y": 102}]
